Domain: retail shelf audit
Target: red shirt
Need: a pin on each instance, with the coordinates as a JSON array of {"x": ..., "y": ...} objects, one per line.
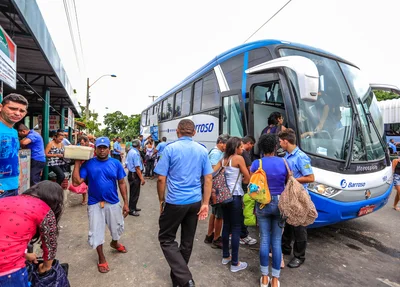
[{"x": 20, "y": 217}]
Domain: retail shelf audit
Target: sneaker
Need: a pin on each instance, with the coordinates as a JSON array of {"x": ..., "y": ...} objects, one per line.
[
  {"x": 241, "y": 266},
  {"x": 209, "y": 239},
  {"x": 248, "y": 240},
  {"x": 217, "y": 243},
  {"x": 226, "y": 260}
]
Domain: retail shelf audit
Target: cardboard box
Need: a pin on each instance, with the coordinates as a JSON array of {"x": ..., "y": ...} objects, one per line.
[{"x": 78, "y": 152}]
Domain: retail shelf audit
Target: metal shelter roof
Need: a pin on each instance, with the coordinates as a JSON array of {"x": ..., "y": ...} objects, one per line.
[{"x": 37, "y": 59}]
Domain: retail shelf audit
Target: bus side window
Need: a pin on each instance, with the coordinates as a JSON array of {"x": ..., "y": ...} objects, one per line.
[
  {"x": 178, "y": 104},
  {"x": 210, "y": 97},
  {"x": 198, "y": 91}
]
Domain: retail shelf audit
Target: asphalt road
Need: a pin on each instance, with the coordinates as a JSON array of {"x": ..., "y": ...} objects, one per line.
[{"x": 361, "y": 252}]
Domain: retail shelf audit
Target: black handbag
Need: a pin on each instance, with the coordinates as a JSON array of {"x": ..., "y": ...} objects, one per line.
[{"x": 55, "y": 277}]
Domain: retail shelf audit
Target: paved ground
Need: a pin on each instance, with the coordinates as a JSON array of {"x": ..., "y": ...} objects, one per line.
[{"x": 361, "y": 252}]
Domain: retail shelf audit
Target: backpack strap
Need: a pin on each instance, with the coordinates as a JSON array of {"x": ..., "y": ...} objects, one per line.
[
  {"x": 287, "y": 168},
  {"x": 260, "y": 164}
]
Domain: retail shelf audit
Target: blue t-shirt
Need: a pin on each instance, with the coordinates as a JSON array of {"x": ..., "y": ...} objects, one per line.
[
  {"x": 102, "y": 176},
  {"x": 275, "y": 169},
  {"x": 160, "y": 147},
  {"x": 184, "y": 162},
  {"x": 9, "y": 165},
  {"x": 394, "y": 148},
  {"x": 215, "y": 155},
  {"x": 117, "y": 148},
  {"x": 133, "y": 160},
  {"x": 299, "y": 163},
  {"x": 36, "y": 146}
]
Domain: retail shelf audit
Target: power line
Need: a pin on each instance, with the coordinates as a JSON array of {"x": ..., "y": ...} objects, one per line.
[
  {"x": 267, "y": 21},
  {"x": 79, "y": 33},
  {"x": 71, "y": 32}
]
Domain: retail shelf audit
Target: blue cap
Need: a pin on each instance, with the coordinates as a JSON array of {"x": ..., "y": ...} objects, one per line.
[{"x": 102, "y": 141}]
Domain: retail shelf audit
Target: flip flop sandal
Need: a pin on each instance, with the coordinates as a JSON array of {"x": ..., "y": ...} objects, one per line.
[
  {"x": 103, "y": 265},
  {"x": 121, "y": 248}
]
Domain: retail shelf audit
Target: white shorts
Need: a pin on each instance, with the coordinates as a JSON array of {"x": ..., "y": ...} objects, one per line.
[{"x": 110, "y": 215}]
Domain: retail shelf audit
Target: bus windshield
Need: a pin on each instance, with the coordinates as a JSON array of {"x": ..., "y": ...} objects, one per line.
[{"x": 328, "y": 126}]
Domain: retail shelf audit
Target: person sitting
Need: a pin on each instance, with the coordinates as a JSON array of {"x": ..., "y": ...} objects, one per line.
[
  {"x": 275, "y": 124},
  {"x": 33, "y": 214}
]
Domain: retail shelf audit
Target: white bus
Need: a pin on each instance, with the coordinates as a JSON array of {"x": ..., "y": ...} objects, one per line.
[{"x": 237, "y": 91}]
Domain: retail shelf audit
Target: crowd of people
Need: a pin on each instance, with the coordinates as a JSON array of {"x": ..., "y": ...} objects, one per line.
[{"x": 184, "y": 189}]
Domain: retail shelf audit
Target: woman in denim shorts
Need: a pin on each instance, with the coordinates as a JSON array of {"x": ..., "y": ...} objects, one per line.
[{"x": 396, "y": 181}]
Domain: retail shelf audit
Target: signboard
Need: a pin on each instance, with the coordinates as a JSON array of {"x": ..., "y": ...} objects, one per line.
[
  {"x": 71, "y": 119},
  {"x": 54, "y": 122},
  {"x": 8, "y": 60},
  {"x": 24, "y": 156}
]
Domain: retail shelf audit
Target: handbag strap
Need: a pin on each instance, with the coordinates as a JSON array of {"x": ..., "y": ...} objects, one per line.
[
  {"x": 287, "y": 168},
  {"x": 233, "y": 189}
]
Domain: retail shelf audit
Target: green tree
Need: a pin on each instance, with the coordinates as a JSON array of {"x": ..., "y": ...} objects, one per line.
[
  {"x": 118, "y": 124},
  {"x": 92, "y": 124},
  {"x": 384, "y": 95}
]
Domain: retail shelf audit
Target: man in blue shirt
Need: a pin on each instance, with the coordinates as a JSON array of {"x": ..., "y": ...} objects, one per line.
[
  {"x": 117, "y": 149},
  {"x": 135, "y": 177},
  {"x": 13, "y": 108},
  {"x": 103, "y": 174},
  {"x": 300, "y": 164},
  {"x": 160, "y": 147},
  {"x": 215, "y": 222},
  {"x": 181, "y": 167},
  {"x": 34, "y": 141}
]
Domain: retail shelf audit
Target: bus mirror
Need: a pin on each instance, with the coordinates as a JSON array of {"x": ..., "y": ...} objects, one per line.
[
  {"x": 321, "y": 83},
  {"x": 305, "y": 69}
]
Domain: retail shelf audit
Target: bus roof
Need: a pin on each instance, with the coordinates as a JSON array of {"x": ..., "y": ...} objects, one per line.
[{"x": 236, "y": 51}]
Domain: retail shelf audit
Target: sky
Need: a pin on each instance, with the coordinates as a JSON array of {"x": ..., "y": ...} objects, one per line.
[{"x": 153, "y": 45}]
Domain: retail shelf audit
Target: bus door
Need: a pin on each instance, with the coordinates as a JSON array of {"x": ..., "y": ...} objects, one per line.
[{"x": 232, "y": 114}]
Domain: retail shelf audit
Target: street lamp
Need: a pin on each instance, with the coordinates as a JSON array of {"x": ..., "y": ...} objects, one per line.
[{"x": 88, "y": 86}]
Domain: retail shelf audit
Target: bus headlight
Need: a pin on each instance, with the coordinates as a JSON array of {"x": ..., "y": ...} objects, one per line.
[{"x": 323, "y": 189}]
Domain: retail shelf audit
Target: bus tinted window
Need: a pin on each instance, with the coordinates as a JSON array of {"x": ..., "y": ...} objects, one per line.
[
  {"x": 178, "y": 104},
  {"x": 210, "y": 97},
  {"x": 258, "y": 56},
  {"x": 167, "y": 108},
  {"x": 198, "y": 90},
  {"x": 186, "y": 101},
  {"x": 144, "y": 117},
  {"x": 233, "y": 71}
]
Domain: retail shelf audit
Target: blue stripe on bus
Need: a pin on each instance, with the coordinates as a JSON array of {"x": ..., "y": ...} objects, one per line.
[{"x": 244, "y": 76}]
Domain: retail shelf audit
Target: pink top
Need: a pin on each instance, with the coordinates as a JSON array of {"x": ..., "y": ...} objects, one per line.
[{"x": 20, "y": 217}]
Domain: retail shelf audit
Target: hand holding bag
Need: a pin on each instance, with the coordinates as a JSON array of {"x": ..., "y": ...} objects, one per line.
[
  {"x": 220, "y": 192},
  {"x": 295, "y": 203},
  {"x": 55, "y": 277}
]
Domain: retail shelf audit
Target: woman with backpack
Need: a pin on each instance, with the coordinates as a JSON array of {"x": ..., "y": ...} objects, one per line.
[
  {"x": 236, "y": 173},
  {"x": 33, "y": 214},
  {"x": 268, "y": 216}
]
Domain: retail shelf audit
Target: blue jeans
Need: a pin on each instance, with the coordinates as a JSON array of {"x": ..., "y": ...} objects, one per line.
[
  {"x": 271, "y": 235},
  {"x": 10, "y": 192},
  {"x": 233, "y": 217},
  {"x": 18, "y": 278}
]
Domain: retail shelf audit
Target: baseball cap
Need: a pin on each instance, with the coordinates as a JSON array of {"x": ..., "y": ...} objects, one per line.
[{"x": 102, "y": 141}]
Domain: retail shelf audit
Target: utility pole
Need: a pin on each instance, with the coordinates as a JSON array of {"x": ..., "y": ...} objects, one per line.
[
  {"x": 87, "y": 100},
  {"x": 153, "y": 97}
]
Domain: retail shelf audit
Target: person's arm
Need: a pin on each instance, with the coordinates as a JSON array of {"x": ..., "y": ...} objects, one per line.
[
  {"x": 25, "y": 141},
  {"x": 304, "y": 164},
  {"x": 124, "y": 194},
  {"x": 323, "y": 118},
  {"x": 203, "y": 213},
  {"x": 394, "y": 163},
  {"x": 243, "y": 169},
  {"x": 306, "y": 179},
  {"x": 48, "y": 235},
  {"x": 76, "y": 178},
  {"x": 140, "y": 175},
  {"x": 161, "y": 181}
]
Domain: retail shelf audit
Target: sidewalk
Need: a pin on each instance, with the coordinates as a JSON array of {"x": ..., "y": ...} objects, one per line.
[{"x": 144, "y": 264}]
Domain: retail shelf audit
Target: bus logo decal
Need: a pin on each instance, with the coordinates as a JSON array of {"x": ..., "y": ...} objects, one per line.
[{"x": 343, "y": 183}]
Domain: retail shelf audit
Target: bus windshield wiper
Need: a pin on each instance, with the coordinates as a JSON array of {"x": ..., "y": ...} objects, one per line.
[
  {"x": 353, "y": 128},
  {"x": 370, "y": 120}
]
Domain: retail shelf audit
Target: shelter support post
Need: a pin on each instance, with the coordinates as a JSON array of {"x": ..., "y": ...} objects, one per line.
[
  {"x": 62, "y": 120},
  {"x": 1, "y": 91},
  {"x": 45, "y": 126},
  {"x": 70, "y": 135},
  {"x": 31, "y": 126}
]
